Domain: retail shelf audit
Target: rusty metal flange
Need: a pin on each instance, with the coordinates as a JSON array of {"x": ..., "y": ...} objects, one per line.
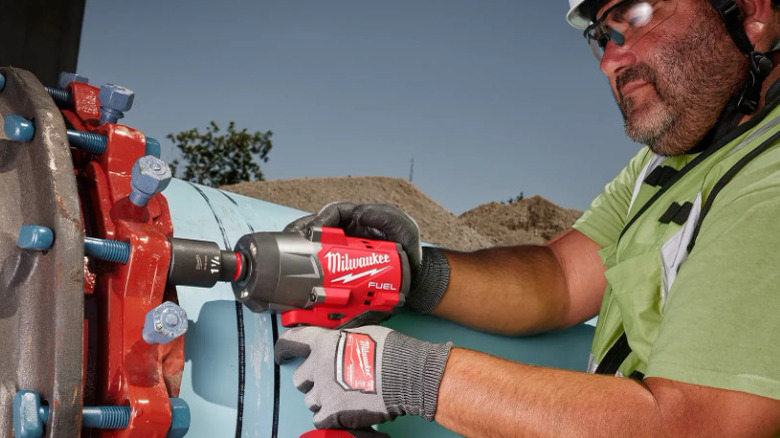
[{"x": 41, "y": 293}]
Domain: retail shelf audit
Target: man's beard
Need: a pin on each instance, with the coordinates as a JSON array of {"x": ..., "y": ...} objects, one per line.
[{"x": 694, "y": 75}]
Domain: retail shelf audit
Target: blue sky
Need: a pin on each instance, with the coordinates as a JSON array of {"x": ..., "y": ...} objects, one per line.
[{"x": 490, "y": 98}]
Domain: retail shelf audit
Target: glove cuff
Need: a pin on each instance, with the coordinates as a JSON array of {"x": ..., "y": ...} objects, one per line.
[
  {"x": 430, "y": 282},
  {"x": 411, "y": 374}
]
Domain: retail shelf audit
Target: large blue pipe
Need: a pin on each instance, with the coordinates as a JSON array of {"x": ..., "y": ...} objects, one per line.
[{"x": 272, "y": 407}]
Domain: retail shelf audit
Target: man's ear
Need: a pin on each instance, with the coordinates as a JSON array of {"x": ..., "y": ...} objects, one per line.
[{"x": 757, "y": 17}]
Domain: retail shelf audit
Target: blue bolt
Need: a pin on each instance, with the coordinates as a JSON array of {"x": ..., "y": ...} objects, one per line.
[
  {"x": 35, "y": 237},
  {"x": 106, "y": 417},
  {"x": 68, "y": 77},
  {"x": 2, "y": 82},
  {"x": 97, "y": 144},
  {"x": 62, "y": 98},
  {"x": 115, "y": 100},
  {"x": 109, "y": 250},
  {"x": 88, "y": 141},
  {"x": 150, "y": 176},
  {"x": 17, "y": 128},
  {"x": 30, "y": 416}
]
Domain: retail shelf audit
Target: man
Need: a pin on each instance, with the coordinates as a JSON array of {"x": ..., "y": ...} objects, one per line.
[{"x": 678, "y": 256}]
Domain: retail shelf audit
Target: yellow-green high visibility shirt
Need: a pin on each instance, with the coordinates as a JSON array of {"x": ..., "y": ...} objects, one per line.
[{"x": 718, "y": 323}]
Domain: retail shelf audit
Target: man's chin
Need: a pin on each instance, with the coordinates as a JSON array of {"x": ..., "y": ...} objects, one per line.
[
  {"x": 656, "y": 137},
  {"x": 646, "y": 123},
  {"x": 639, "y": 130}
]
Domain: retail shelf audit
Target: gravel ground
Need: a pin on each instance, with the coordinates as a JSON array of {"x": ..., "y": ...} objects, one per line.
[{"x": 530, "y": 220}]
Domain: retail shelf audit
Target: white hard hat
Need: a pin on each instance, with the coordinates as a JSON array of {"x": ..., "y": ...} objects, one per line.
[{"x": 576, "y": 17}]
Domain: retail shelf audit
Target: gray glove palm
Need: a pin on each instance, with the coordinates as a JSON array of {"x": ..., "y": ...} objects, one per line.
[{"x": 359, "y": 377}]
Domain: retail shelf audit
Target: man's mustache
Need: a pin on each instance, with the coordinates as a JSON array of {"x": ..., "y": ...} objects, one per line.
[{"x": 640, "y": 72}]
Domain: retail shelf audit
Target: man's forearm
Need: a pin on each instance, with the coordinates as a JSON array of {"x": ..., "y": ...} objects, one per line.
[
  {"x": 526, "y": 289},
  {"x": 485, "y": 396},
  {"x": 512, "y": 290}
]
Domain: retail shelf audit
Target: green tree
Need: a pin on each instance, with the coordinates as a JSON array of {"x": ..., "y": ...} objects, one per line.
[{"x": 215, "y": 159}]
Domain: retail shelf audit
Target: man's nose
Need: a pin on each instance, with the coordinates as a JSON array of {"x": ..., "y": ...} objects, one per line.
[{"x": 615, "y": 59}]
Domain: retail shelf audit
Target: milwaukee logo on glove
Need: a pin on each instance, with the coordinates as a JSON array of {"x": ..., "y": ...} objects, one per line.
[
  {"x": 338, "y": 262},
  {"x": 356, "y": 358}
]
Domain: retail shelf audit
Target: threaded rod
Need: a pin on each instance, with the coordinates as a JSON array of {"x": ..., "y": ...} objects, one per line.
[
  {"x": 88, "y": 141},
  {"x": 106, "y": 417},
  {"x": 109, "y": 250},
  {"x": 62, "y": 98}
]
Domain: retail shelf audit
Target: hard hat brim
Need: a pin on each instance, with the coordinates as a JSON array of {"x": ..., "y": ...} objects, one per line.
[{"x": 576, "y": 18}]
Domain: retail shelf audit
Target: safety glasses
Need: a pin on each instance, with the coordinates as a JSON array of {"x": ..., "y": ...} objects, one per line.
[{"x": 627, "y": 20}]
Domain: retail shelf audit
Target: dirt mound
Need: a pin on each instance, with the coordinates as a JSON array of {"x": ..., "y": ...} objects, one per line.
[
  {"x": 530, "y": 220},
  {"x": 437, "y": 224}
]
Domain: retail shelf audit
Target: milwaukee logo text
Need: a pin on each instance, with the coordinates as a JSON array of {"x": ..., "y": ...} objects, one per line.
[{"x": 338, "y": 262}]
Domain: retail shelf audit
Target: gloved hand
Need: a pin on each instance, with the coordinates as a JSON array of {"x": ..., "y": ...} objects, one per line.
[
  {"x": 369, "y": 221},
  {"x": 430, "y": 270},
  {"x": 359, "y": 377}
]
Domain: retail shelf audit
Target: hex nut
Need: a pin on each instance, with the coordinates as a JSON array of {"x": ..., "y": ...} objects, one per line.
[
  {"x": 151, "y": 175},
  {"x": 68, "y": 77},
  {"x": 116, "y": 97},
  {"x": 27, "y": 421},
  {"x": 165, "y": 323},
  {"x": 180, "y": 418}
]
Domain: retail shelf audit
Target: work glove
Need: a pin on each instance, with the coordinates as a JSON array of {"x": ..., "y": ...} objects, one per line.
[
  {"x": 359, "y": 377},
  {"x": 430, "y": 270}
]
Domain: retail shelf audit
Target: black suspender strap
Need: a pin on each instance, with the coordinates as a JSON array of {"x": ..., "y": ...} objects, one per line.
[
  {"x": 759, "y": 63},
  {"x": 730, "y": 14},
  {"x": 615, "y": 356},
  {"x": 726, "y": 178}
]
